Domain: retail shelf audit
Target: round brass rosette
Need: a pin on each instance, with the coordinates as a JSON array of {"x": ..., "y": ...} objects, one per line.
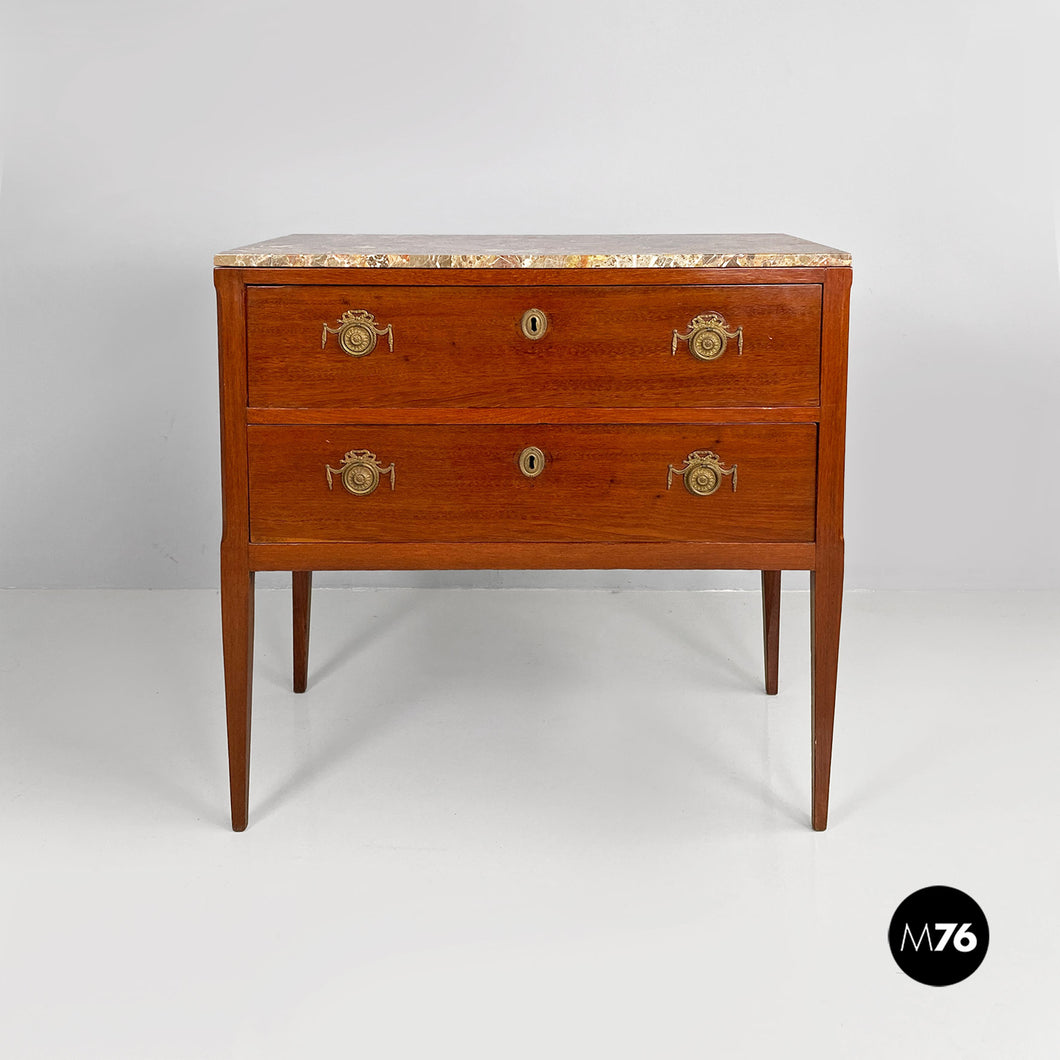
[
  {"x": 360, "y": 478},
  {"x": 358, "y": 340},
  {"x": 702, "y": 481},
  {"x": 708, "y": 343}
]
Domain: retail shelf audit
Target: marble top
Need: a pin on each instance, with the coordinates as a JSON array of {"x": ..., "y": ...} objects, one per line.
[{"x": 533, "y": 252}]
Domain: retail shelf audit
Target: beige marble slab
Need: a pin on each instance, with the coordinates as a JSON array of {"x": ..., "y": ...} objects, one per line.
[{"x": 534, "y": 252}]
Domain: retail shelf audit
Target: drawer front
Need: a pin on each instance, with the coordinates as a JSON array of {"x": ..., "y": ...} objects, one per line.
[
  {"x": 415, "y": 346},
  {"x": 372, "y": 483}
]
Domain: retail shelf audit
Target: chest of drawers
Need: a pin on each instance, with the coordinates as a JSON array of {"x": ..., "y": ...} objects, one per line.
[{"x": 395, "y": 403}]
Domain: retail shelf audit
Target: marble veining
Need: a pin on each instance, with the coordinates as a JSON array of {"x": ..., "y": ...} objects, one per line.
[{"x": 534, "y": 252}]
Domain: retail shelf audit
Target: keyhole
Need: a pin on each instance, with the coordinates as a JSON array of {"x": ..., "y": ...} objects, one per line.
[
  {"x": 534, "y": 323},
  {"x": 531, "y": 461}
]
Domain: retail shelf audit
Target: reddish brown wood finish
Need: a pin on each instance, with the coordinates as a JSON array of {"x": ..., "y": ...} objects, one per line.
[
  {"x": 781, "y": 414},
  {"x": 571, "y": 389},
  {"x": 533, "y": 555},
  {"x": 237, "y": 622},
  {"x": 301, "y": 598},
  {"x": 771, "y": 627},
  {"x": 600, "y": 483},
  {"x": 826, "y": 582},
  {"x": 237, "y": 577},
  {"x": 463, "y": 346},
  {"x": 826, "y": 605}
]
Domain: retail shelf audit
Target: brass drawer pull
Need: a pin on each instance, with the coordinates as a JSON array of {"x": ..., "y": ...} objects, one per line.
[
  {"x": 708, "y": 336},
  {"x": 702, "y": 473},
  {"x": 357, "y": 332},
  {"x": 531, "y": 461},
  {"x": 534, "y": 323},
  {"x": 359, "y": 471}
]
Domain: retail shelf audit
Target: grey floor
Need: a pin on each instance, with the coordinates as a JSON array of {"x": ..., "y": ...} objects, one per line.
[{"x": 521, "y": 824}]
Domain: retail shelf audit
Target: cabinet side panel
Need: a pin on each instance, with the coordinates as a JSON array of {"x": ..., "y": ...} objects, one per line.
[
  {"x": 232, "y": 368},
  {"x": 832, "y": 437}
]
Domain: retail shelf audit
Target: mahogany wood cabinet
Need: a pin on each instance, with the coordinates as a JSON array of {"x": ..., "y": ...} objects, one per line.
[{"x": 564, "y": 402}]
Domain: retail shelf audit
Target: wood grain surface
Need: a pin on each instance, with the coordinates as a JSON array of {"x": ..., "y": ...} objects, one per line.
[
  {"x": 600, "y": 483},
  {"x": 464, "y": 347},
  {"x": 771, "y": 628},
  {"x": 533, "y": 555},
  {"x": 463, "y": 391}
]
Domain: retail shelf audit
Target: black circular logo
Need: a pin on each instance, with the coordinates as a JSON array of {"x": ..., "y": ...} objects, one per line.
[{"x": 938, "y": 936}]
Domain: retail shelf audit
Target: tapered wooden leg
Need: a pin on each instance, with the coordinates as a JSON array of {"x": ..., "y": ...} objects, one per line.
[
  {"x": 826, "y": 605},
  {"x": 237, "y": 628},
  {"x": 771, "y": 627},
  {"x": 301, "y": 597}
]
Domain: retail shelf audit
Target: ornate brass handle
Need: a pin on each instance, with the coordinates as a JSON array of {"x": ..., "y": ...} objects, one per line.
[
  {"x": 357, "y": 332},
  {"x": 702, "y": 473},
  {"x": 359, "y": 471},
  {"x": 708, "y": 336}
]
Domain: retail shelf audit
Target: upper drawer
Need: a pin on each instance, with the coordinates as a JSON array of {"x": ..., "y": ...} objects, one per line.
[{"x": 633, "y": 347}]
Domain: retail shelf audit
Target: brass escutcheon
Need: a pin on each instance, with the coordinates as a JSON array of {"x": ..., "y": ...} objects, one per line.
[
  {"x": 534, "y": 323},
  {"x": 359, "y": 472},
  {"x": 708, "y": 336},
  {"x": 357, "y": 332},
  {"x": 531, "y": 461},
  {"x": 702, "y": 473}
]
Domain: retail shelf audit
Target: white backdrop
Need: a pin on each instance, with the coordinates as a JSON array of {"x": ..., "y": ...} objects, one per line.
[{"x": 139, "y": 138}]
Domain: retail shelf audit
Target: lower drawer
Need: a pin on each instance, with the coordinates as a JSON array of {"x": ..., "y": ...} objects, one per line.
[{"x": 629, "y": 482}]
